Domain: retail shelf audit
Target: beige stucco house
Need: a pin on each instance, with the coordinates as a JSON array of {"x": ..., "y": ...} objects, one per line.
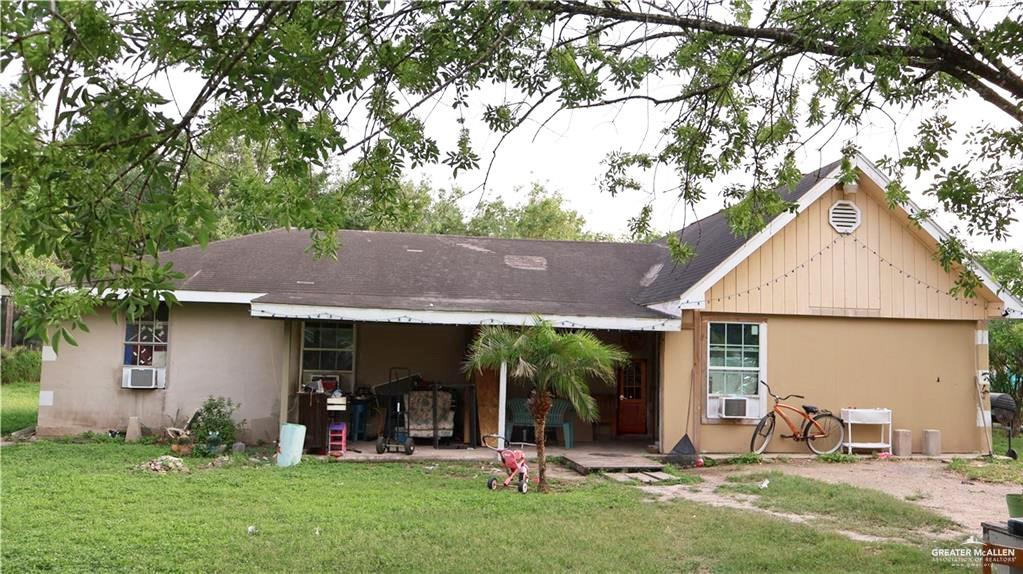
[{"x": 841, "y": 300}]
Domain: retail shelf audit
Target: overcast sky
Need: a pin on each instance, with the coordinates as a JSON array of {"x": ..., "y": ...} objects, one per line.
[{"x": 566, "y": 153}]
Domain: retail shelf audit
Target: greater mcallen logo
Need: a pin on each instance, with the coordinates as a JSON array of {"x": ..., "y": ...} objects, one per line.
[{"x": 973, "y": 551}]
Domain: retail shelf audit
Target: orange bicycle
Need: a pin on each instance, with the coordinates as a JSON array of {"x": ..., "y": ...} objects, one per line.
[{"x": 822, "y": 431}]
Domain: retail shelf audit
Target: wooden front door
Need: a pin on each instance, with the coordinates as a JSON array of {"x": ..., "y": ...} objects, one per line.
[{"x": 632, "y": 393}]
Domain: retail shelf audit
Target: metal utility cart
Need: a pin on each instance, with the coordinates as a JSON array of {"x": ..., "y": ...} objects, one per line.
[{"x": 395, "y": 437}]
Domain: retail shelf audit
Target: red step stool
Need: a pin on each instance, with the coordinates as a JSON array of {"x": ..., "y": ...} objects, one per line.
[{"x": 337, "y": 439}]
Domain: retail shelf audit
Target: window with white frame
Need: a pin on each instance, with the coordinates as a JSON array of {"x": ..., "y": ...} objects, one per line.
[
  {"x": 735, "y": 361},
  {"x": 145, "y": 339},
  {"x": 327, "y": 346}
]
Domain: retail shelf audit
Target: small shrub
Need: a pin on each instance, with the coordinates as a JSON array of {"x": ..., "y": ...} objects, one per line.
[
  {"x": 89, "y": 437},
  {"x": 20, "y": 365},
  {"x": 681, "y": 476},
  {"x": 837, "y": 457},
  {"x": 748, "y": 458},
  {"x": 215, "y": 418}
]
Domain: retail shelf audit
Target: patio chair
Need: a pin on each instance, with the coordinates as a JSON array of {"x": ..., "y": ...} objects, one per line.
[{"x": 518, "y": 416}]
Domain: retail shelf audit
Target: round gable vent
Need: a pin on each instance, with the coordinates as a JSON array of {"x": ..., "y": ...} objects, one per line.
[{"x": 844, "y": 216}]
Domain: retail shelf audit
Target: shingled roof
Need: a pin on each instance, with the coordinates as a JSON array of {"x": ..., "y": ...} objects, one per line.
[
  {"x": 376, "y": 269},
  {"x": 387, "y": 270}
]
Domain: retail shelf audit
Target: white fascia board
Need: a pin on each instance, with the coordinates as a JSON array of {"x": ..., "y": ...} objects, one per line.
[
  {"x": 376, "y": 315},
  {"x": 1012, "y": 304},
  {"x": 190, "y": 296},
  {"x": 667, "y": 307},
  {"x": 693, "y": 298},
  {"x": 187, "y": 296}
]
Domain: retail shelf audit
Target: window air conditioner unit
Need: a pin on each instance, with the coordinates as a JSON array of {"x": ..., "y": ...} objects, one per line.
[
  {"x": 734, "y": 408},
  {"x": 142, "y": 378}
]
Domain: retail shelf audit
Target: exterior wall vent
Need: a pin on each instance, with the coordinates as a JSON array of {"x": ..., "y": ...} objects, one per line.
[{"x": 844, "y": 216}]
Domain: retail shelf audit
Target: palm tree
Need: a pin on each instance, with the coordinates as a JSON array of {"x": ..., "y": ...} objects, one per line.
[{"x": 553, "y": 363}]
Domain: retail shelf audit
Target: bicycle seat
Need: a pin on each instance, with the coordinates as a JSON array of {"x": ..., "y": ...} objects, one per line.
[{"x": 810, "y": 409}]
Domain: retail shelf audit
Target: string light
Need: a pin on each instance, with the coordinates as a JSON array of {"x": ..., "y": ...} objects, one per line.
[
  {"x": 903, "y": 273},
  {"x": 563, "y": 324}
]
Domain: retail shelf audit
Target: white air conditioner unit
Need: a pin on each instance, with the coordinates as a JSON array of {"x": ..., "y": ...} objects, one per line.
[
  {"x": 142, "y": 378},
  {"x": 734, "y": 408}
]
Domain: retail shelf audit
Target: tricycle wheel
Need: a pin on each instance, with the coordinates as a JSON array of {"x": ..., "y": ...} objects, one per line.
[
  {"x": 410, "y": 446},
  {"x": 381, "y": 445},
  {"x": 492, "y": 483},
  {"x": 523, "y": 486}
]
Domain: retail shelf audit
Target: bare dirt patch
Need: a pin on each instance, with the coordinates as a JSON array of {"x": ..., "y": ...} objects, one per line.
[
  {"x": 923, "y": 482},
  {"x": 927, "y": 483},
  {"x": 707, "y": 493}
]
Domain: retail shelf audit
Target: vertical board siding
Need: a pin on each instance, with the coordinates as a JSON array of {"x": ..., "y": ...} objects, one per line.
[
  {"x": 883, "y": 269},
  {"x": 814, "y": 245},
  {"x": 766, "y": 270}
]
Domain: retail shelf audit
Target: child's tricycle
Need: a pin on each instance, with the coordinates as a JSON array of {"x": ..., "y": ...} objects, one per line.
[{"x": 513, "y": 461}]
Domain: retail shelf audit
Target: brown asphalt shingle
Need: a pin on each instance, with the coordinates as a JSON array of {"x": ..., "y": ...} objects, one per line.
[
  {"x": 377, "y": 269},
  {"x": 386, "y": 270}
]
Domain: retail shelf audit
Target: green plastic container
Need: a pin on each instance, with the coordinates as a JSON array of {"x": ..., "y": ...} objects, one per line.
[{"x": 1015, "y": 502}]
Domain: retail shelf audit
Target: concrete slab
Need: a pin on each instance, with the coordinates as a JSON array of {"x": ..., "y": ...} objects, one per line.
[
  {"x": 660, "y": 475},
  {"x": 644, "y": 478},
  {"x": 619, "y": 477}
]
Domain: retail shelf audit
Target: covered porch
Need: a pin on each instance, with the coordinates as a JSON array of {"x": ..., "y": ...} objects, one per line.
[{"x": 345, "y": 352}]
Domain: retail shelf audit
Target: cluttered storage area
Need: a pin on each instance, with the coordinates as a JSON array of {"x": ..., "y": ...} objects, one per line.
[{"x": 382, "y": 386}]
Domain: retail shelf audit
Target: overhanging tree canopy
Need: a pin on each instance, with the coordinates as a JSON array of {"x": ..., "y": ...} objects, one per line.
[{"x": 99, "y": 166}]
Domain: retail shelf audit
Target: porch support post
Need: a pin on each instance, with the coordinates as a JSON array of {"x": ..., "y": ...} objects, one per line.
[
  {"x": 502, "y": 397},
  {"x": 285, "y": 374}
]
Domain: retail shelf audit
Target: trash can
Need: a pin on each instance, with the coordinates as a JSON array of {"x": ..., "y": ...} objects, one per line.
[
  {"x": 292, "y": 439},
  {"x": 360, "y": 414}
]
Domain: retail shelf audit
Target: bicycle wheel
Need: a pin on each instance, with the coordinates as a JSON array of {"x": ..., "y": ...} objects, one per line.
[
  {"x": 762, "y": 434},
  {"x": 826, "y": 439}
]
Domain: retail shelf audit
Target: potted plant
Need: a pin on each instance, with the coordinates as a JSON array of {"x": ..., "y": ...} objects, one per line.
[
  {"x": 1015, "y": 503},
  {"x": 182, "y": 445}
]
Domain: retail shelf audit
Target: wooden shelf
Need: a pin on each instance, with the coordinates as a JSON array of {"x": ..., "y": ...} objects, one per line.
[{"x": 865, "y": 445}]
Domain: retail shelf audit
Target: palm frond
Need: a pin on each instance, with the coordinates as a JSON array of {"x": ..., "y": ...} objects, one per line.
[{"x": 558, "y": 362}]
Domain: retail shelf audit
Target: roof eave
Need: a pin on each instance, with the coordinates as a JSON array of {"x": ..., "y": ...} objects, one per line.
[
  {"x": 693, "y": 298},
  {"x": 441, "y": 317}
]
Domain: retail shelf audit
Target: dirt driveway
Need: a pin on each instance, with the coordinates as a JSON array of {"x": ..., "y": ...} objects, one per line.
[{"x": 924, "y": 482}]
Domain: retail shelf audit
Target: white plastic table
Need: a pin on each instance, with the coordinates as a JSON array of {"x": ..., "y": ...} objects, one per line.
[{"x": 880, "y": 417}]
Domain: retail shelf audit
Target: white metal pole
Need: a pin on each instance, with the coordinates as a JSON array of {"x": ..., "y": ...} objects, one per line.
[{"x": 502, "y": 396}]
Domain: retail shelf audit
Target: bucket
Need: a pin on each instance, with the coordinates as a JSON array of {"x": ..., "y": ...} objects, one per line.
[
  {"x": 1015, "y": 502},
  {"x": 292, "y": 439}
]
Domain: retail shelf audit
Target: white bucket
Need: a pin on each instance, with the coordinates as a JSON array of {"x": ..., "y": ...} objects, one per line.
[{"x": 292, "y": 439}]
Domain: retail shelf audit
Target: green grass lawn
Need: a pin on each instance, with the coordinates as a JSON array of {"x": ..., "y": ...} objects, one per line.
[
  {"x": 19, "y": 405},
  {"x": 998, "y": 470},
  {"x": 83, "y": 507},
  {"x": 838, "y": 505}
]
